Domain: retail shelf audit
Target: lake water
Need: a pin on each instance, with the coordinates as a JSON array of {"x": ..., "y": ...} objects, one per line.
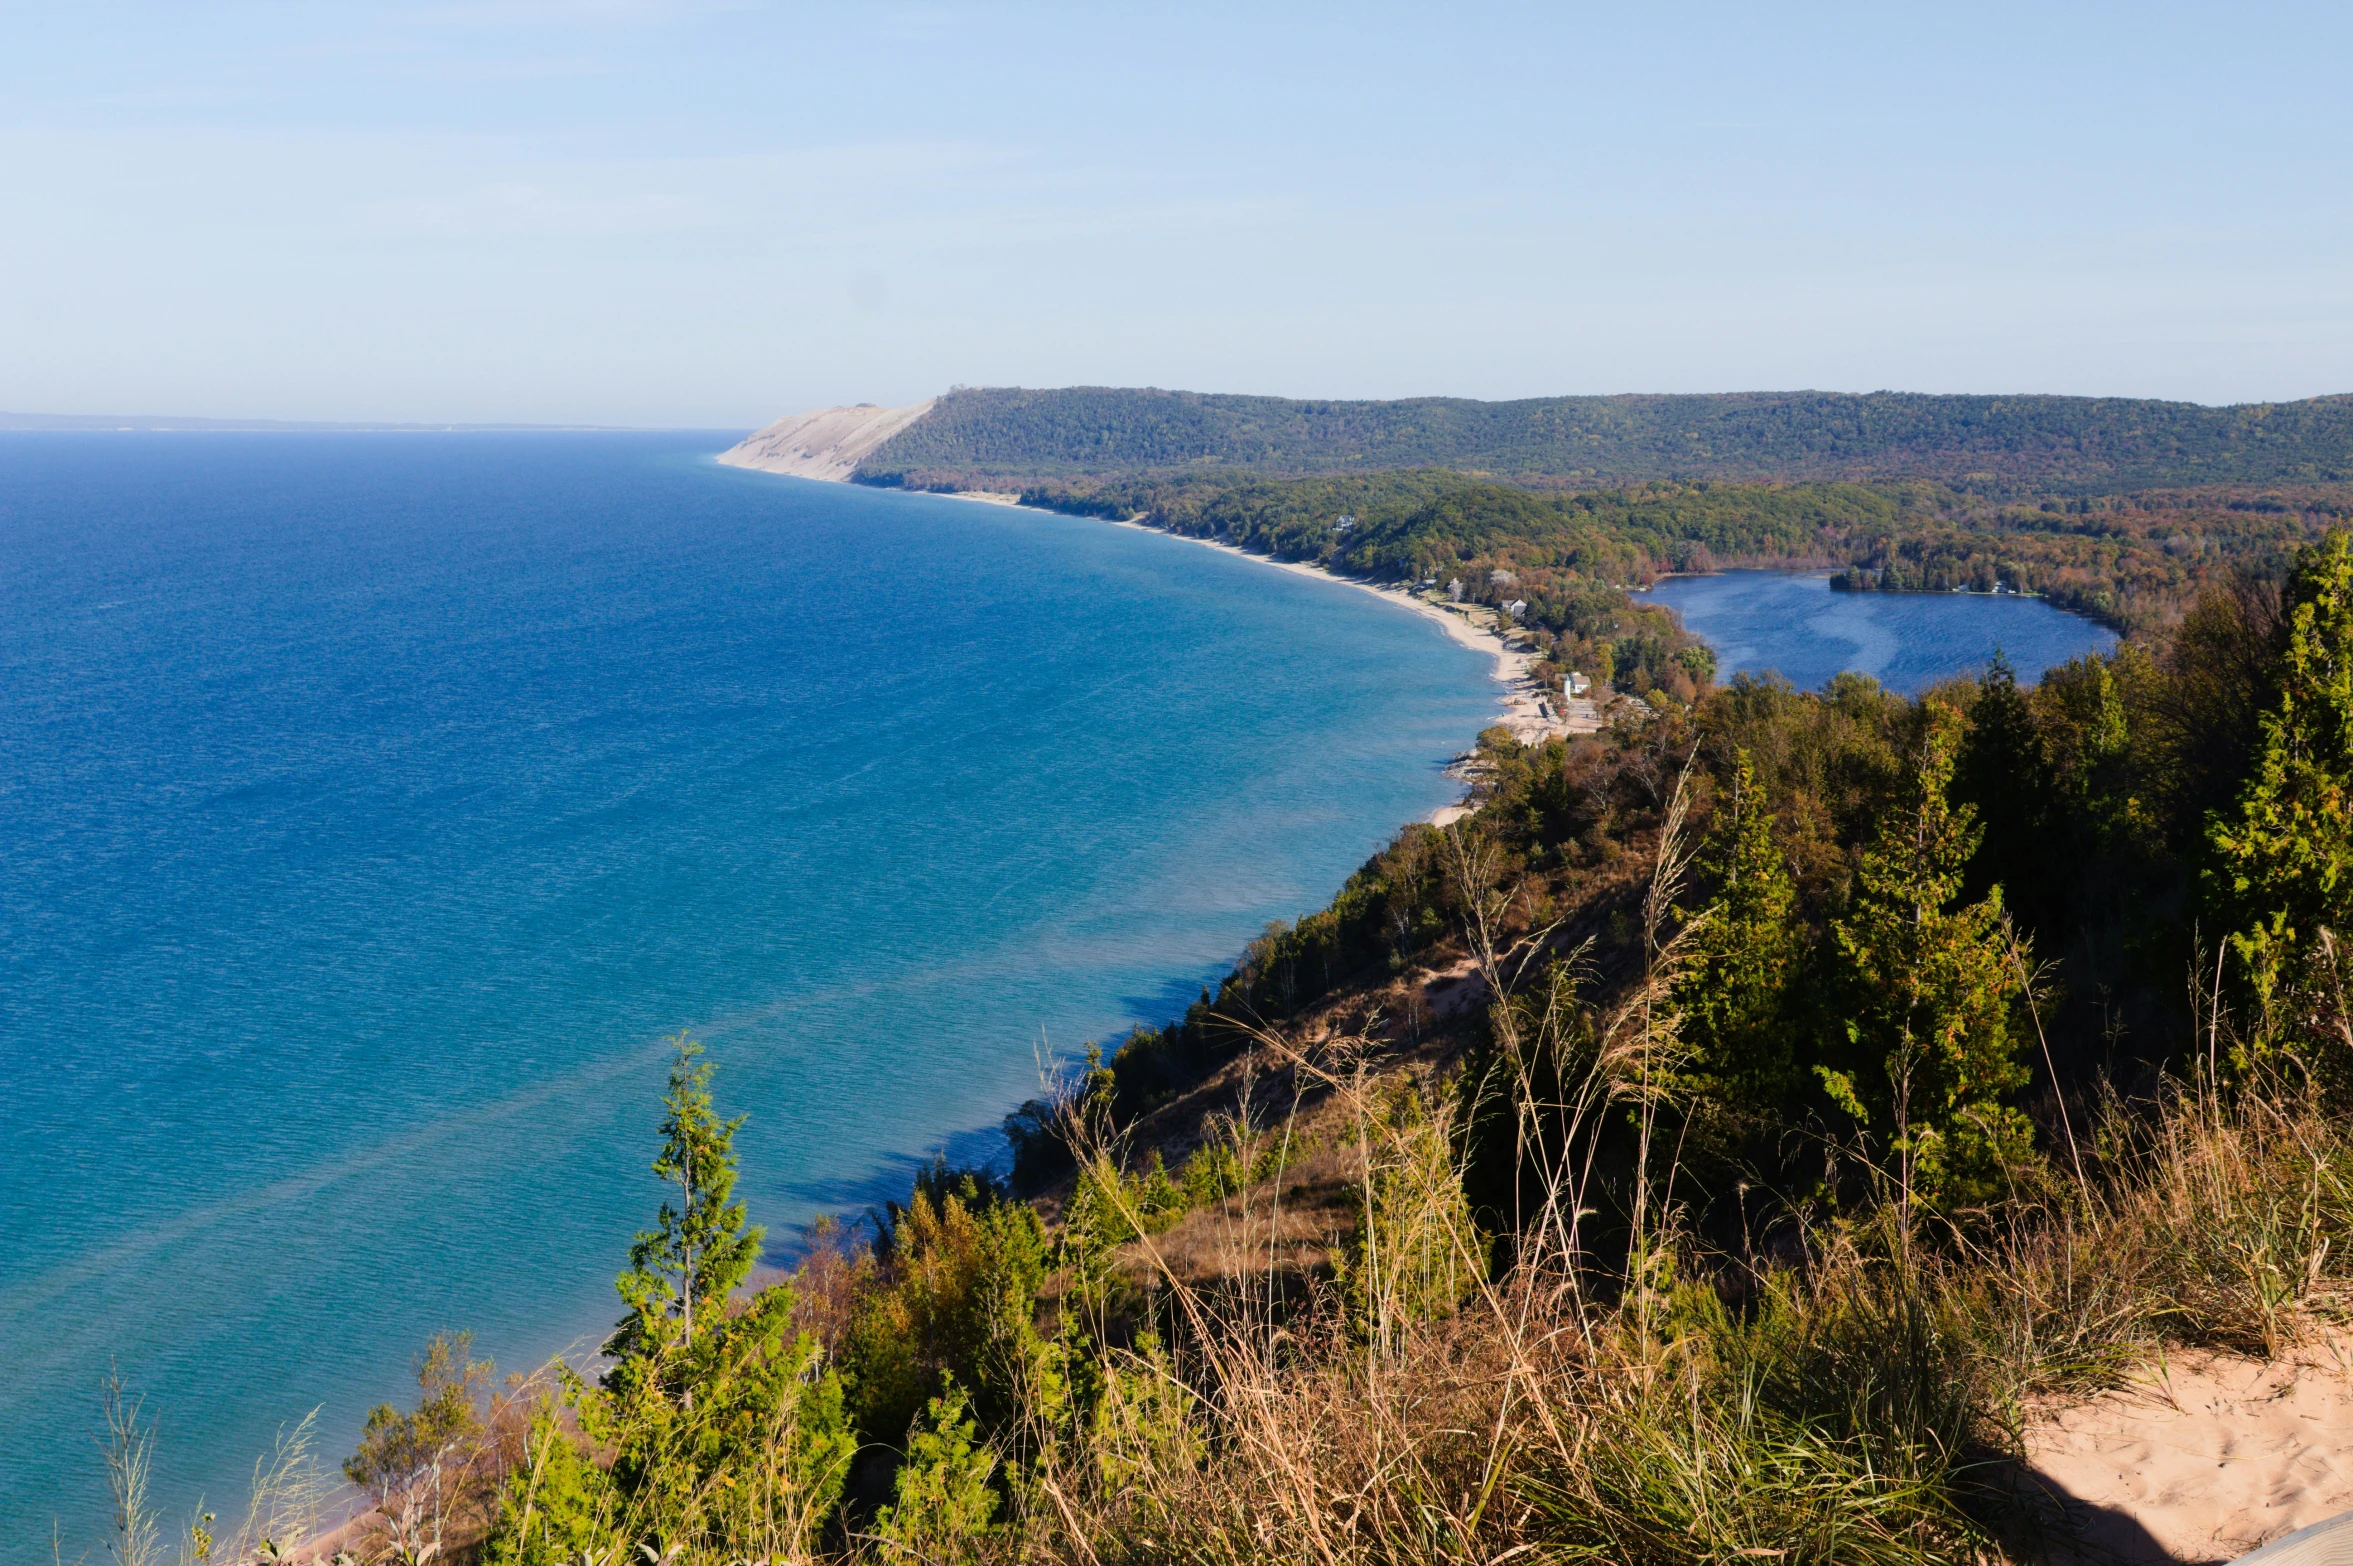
[
  {"x": 376, "y": 804},
  {"x": 1795, "y": 626}
]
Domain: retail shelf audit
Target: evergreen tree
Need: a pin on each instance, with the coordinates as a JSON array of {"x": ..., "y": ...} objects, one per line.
[
  {"x": 1734, "y": 997},
  {"x": 558, "y": 1506},
  {"x": 942, "y": 1497},
  {"x": 1929, "y": 1044},
  {"x": 699, "y": 1392},
  {"x": 2282, "y": 869},
  {"x": 2006, "y": 775},
  {"x": 702, "y": 1248}
]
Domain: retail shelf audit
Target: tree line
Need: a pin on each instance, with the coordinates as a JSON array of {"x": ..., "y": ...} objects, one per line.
[{"x": 2065, "y": 445}]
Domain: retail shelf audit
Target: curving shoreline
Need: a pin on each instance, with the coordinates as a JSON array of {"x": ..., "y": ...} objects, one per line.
[
  {"x": 1528, "y": 710},
  {"x": 1525, "y": 708}
]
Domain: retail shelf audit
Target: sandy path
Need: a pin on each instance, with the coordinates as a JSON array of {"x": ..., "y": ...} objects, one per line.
[{"x": 2204, "y": 1457}]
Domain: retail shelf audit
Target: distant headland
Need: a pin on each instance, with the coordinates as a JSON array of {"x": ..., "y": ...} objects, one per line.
[
  {"x": 2121, "y": 509},
  {"x": 2006, "y": 444},
  {"x": 827, "y": 443}
]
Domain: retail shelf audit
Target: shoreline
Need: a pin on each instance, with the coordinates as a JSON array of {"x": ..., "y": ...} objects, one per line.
[
  {"x": 1530, "y": 712},
  {"x": 1525, "y": 709}
]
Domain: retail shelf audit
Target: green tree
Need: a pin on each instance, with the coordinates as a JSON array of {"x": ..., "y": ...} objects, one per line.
[
  {"x": 2282, "y": 862},
  {"x": 2006, "y": 775},
  {"x": 1930, "y": 1050},
  {"x": 723, "y": 1423},
  {"x": 395, "y": 1445},
  {"x": 942, "y": 1499},
  {"x": 557, "y": 1508},
  {"x": 702, "y": 1248},
  {"x": 1734, "y": 995}
]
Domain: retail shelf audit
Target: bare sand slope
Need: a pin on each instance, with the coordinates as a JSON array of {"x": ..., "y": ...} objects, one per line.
[
  {"x": 824, "y": 444},
  {"x": 2205, "y": 1457}
]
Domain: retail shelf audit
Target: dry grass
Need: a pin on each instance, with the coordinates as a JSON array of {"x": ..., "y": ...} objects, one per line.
[{"x": 1856, "y": 1401}]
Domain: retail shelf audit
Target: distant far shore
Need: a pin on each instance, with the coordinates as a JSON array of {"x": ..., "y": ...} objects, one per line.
[{"x": 155, "y": 424}]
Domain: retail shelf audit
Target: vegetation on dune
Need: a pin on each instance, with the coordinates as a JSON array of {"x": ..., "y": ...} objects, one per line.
[
  {"x": 1704, "y": 1152},
  {"x": 2065, "y": 445},
  {"x": 2120, "y": 510}
]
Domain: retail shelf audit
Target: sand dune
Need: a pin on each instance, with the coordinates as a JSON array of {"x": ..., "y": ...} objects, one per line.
[{"x": 823, "y": 444}]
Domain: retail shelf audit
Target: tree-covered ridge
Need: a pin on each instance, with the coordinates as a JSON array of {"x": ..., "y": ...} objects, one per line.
[
  {"x": 2132, "y": 561},
  {"x": 2001, "y": 444}
]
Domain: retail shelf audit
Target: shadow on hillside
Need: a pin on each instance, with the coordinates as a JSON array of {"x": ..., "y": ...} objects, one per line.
[{"x": 855, "y": 1198}]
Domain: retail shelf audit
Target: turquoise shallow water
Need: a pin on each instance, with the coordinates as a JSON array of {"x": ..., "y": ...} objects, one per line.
[
  {"x": 1795, "y": 626},
  {"x": 374, "y": 805}
]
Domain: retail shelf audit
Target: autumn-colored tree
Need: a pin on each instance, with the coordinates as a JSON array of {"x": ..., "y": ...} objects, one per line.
[
  {"x": 959, "y": 1297},
  {"x": 394, "y": 1446}
]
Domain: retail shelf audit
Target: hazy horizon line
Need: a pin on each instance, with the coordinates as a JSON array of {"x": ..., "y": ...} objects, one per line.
[{"x": 27, "y": 422}]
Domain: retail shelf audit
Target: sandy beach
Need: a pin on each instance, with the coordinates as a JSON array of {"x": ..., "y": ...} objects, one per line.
[{"x": 1527, "y": 709}]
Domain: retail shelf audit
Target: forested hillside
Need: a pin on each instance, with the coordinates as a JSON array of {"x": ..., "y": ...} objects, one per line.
[
  {"x": 1997, "y": 445},
  {"x": 2115, "y": 508},
  {"x": 2132, "y": 561}
]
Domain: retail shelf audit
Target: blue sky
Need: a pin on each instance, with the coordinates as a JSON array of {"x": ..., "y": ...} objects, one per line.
[{"x": 684, "y": 213}]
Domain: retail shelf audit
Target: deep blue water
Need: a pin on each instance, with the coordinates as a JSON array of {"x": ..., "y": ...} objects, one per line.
[
  {"x": 1795, "y": 626},
  {"x": 372, "y": 806}
]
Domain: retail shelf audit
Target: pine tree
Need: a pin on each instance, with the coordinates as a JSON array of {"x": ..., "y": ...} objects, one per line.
[
  {"x": 1930, "y": 1049},
  {"x": 1734, "y": 996},
  {"x": 702, "y": 1248},
  {"x": 942, "y": 1498},
  {"x": 2007, "y": 775},
  {"x": 2282, "y": 869},
  {"x": 697, "y": 1392}
]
